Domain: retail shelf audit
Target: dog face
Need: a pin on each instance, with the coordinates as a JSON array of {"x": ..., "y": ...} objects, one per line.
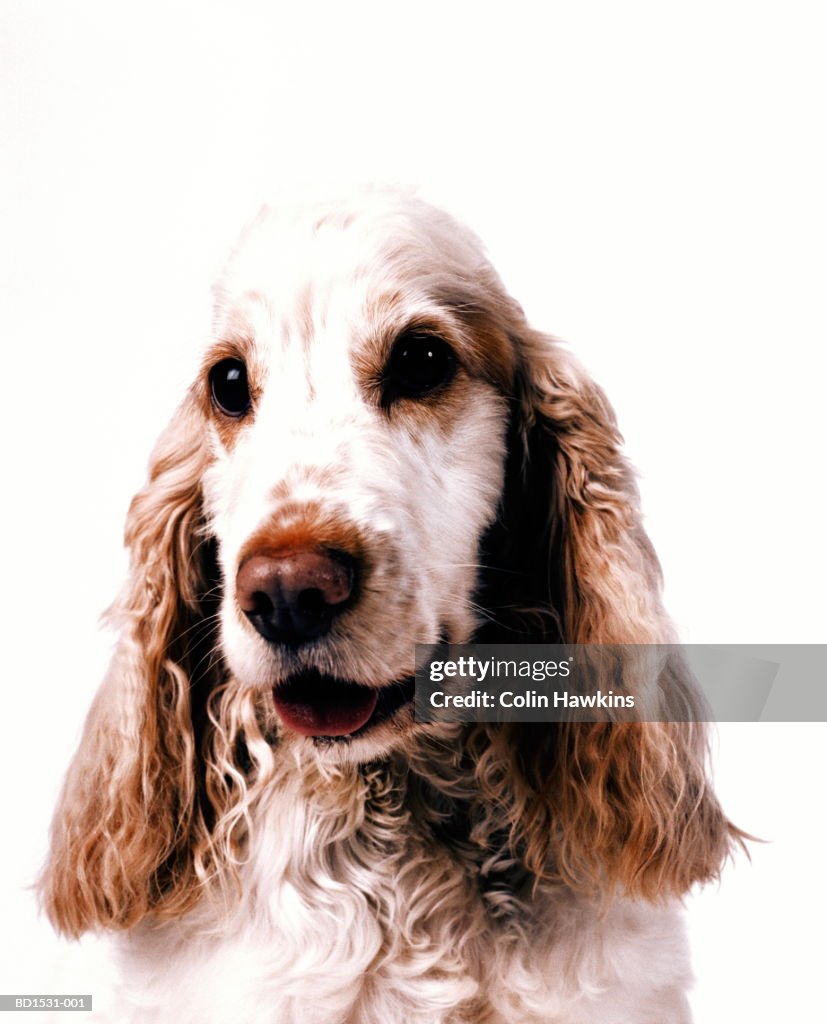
[{"x": 357, "y": 426}]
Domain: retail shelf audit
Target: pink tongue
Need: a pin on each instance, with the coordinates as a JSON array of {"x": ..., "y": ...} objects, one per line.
[{"x": 324, "y": 707}]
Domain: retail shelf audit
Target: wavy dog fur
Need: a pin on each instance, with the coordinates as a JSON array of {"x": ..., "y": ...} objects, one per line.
[{"x": 496, "y": 873}]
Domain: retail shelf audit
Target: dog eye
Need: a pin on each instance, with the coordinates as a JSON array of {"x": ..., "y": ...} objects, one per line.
[
  {"x": 229, "y": 388},
  {"x": 419, "y": 363}
]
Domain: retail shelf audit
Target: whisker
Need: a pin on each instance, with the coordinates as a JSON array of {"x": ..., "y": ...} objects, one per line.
[
  {"x": 201, "y": 543},
  {"x": 214, "y": 652},
  {"x": 205, "y": 621},
  {"x": 469, "y": 565}
]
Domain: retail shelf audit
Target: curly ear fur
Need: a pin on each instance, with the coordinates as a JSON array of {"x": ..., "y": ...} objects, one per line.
[
  {"x": 601, "y": 806},
  {"x": 123, "y": 832}
]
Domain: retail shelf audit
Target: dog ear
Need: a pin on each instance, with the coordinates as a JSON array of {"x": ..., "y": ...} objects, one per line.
[
  {"x": 603, "y": 806},
  {"x": 570, "y": 558},
  {"x": 126, "y": 825}
]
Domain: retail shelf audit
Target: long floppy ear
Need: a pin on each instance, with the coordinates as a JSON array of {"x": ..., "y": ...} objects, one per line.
[
  {"x": 122, "y": 835},
  {"x": 603, "y": 806}
]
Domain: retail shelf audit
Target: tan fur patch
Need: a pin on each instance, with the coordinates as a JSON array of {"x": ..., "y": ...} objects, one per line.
[{"x": 303, "y": 526}]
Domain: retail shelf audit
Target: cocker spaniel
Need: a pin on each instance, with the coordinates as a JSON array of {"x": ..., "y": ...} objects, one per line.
[{"x": 376, "y": 451}]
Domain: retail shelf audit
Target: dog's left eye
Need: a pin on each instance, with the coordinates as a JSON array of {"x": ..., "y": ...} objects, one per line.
[
  {"x": 229, "y": 387},
  {"x": 419, "y": 363}
]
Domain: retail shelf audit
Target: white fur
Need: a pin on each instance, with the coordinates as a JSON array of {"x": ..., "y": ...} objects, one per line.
[{"x": 350, "y": 916}]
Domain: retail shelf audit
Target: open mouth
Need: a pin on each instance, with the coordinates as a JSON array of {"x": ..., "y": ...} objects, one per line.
[{"x": 313, "y": 704}]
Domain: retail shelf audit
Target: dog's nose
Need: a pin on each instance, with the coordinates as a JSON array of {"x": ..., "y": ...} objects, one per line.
[{"x": 293, "y": 596}]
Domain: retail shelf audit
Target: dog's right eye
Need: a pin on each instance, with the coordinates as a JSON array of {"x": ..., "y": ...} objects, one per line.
[{"x": 229, "y": 388}]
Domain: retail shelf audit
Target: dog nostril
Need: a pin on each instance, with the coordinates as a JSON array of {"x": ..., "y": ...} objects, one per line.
[
  {"x": 311, "y": 601},
  {"x": 262, "y": 605},
  {"x": 293, "y": 596}
]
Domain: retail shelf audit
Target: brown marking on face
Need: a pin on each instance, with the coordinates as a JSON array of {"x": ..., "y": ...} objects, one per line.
[
  {"x": 488, "y": 345},
  {"x": 320, "y": 476},
  {"x": 443, "y": 408},
  {"x": 481, "y": 345},
  {"x": 303, "y": 315},
  {"x": 307, "y": 526}
]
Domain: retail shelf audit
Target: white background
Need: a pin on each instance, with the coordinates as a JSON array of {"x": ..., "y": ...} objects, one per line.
[{"x": 650, "y": 180}]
